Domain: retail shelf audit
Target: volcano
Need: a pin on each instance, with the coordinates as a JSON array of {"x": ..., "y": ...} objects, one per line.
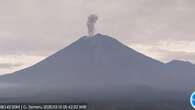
[
  {"x": 93, "y": 68},
  {"x": 100, "y": 59}
]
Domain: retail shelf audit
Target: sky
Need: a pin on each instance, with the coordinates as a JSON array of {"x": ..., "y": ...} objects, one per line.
[{"x": 31, "y": 30}]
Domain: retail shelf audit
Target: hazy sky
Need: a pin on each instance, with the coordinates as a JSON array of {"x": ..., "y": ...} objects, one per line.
[{"x": 30, "y": 30}]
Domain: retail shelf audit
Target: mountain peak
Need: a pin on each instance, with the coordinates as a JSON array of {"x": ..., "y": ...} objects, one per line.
[
  {"x": 99, "y": 34},
  {"x": 98, "y": 37},
  {"x": 181, "y": 65},
  {"x": 179, "y": 62},
  {"x": 98, "y": 41}
]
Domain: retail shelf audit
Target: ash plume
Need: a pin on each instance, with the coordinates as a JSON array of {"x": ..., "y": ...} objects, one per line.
[{"x": 91, "y": 24}]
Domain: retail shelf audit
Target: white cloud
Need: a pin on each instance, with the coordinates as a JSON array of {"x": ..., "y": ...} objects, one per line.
[
  {"x": 168, "y": 50},
  {"x": 11, "y": 63}
]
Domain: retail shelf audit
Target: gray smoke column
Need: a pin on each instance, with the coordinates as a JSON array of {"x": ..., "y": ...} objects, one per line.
[{"x": 91, "y": 24}]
